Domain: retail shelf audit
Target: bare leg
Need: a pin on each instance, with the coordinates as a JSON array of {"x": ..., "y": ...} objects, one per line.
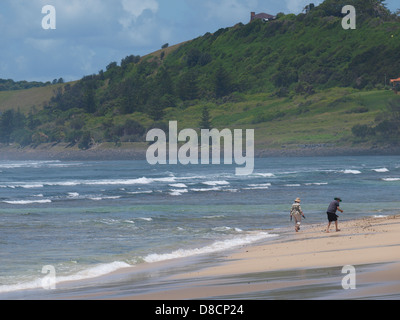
[{"x": 329, "y": 225}]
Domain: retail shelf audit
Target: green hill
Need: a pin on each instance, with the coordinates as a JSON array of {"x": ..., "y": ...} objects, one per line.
[{"x": 300, "y": 80}]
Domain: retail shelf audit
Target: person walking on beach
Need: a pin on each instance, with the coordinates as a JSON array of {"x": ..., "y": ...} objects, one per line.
[
  {"x": 331, "y": 212},
  {"x": 296, "y": 213}
]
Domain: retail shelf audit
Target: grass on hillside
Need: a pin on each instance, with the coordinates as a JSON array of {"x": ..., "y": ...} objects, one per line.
[{"x": 24, "y": 100}]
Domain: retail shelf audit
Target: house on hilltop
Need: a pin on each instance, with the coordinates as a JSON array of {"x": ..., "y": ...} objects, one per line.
[{"x": 261, "y": 16}]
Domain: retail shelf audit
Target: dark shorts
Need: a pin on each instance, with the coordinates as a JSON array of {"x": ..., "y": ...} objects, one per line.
[{"x": 332, "y": 216}]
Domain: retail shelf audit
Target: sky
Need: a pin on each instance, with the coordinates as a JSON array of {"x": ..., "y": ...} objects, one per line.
[{"x": 89, "y": 34}]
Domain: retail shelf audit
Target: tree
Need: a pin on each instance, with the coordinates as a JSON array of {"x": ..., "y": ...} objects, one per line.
[
  {"x": 6, "y": 126},
  {"x": 193, "y": 57},
  {"x": 223, "y": 83},
  {"x": 164, "y": 82},
  {"x": 89, "y": 99},
  {"x": 155, "y": 109},
  {"x": 187, "y": 86},
  {"x": 132, "y": 127},
  {"x": 85, "y": 141},
  {"x": 205, "y": 119},
  {"x": 10, "y": 121}
]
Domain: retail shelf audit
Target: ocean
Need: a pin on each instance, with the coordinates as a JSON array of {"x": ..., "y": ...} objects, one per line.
[{"x": 87, "y": 219}]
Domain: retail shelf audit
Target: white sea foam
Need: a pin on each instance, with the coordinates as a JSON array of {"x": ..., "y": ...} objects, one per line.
[
  {"x": 316, "y": 184},
  {"x": 214, "y": 247},
  {"x": 73, "y": 194},
  {"x": 381, "y": 170},
  {"x": 30, "y": 186},
  {"x": 145, "y": 219},
  {"x": 27, "y": 164},
  {"x": 231, "y": 190},
  {"x": 141, "y": 192},
  {"x": 216, "y": 183},
  {"x": 225, "y": 228},
  {"x": 23, "y": 202},
  {"x": 178, "y": 192},
  {"x": 178, "y": 185},
  {"x": 391, "y": 179},
  {"x": 89, "y": 273},
  {"x": 258, "y": 186},
  {"x": 221, "y": 229},
  {"x": 206, "y": 189},
  {"x": 190, "y": 177},
  {"x": 349, "y": 171},
  {"x": 105, "y": 198},
  {"x": 266, "y": 175},
  {"x": 101, "y": 182}
]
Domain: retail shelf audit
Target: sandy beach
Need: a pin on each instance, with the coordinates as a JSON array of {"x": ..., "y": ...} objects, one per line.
[
  {"x": 293, "y": 266},
  {"x": 304, "y": 265}
]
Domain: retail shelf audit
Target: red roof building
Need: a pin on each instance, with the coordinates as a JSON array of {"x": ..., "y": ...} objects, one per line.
[{"x": 261, "y": 16}]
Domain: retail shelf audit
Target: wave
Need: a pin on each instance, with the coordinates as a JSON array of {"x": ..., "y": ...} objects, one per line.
[
  {"x": 206, "y": 189},
  {"x": 104, "y": 198},
  {"x": 190, "y": 177},
  {"x": 266, "y": 175},
  {"x": 73, "y": 194},
  {"x": 258, "y": 186},
  {"x": 178, "y": 185},
  {"x": 214, "y": 217},
  {"x": 391, "y": 179},
  {"x": 145, "y": 219},
  {"x": 89, "y": 273},
  {"x": 27, "y": 164},
  {"x": 178, "y": 192},
  {"x": 316, "y": 184},
  {"x": 230, "y": 190},
  {"x": 24, "y": 186},
  {"x": 141, "y": 192},
  {"x": 23, "y": 202},
  {"x": 214, "y": 247},
  {"x": 104, "y": 182},
  {"x": 350, "y": 171},
  {"x": 224, "y": 229},
  {"x": 381, "y": 170},
  {"x": 216, "y": 183}
]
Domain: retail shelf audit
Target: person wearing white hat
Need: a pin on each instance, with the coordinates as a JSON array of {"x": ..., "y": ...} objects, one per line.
[{"x": 296, "y": 213}]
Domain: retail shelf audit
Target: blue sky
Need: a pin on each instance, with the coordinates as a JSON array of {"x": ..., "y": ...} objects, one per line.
[{"x": 90, "y": 34}]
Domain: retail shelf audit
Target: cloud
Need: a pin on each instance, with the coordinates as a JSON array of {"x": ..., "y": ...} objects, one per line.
[{"x": 137, "y": 7}]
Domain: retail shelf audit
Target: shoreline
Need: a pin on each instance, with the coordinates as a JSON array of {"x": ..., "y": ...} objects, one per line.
[
  {"x": 310, "y": 260},
  {"x": 137, "y": 151},
  {"x": 304, "y": 265},
  {"x": 361, "y": 241}
]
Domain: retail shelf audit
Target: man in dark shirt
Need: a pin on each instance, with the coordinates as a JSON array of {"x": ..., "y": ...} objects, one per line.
[{"x": 331, "y": 212}]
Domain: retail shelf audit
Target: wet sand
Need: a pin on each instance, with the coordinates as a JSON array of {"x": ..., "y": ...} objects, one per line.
[{"x": 304, "y": 265}]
